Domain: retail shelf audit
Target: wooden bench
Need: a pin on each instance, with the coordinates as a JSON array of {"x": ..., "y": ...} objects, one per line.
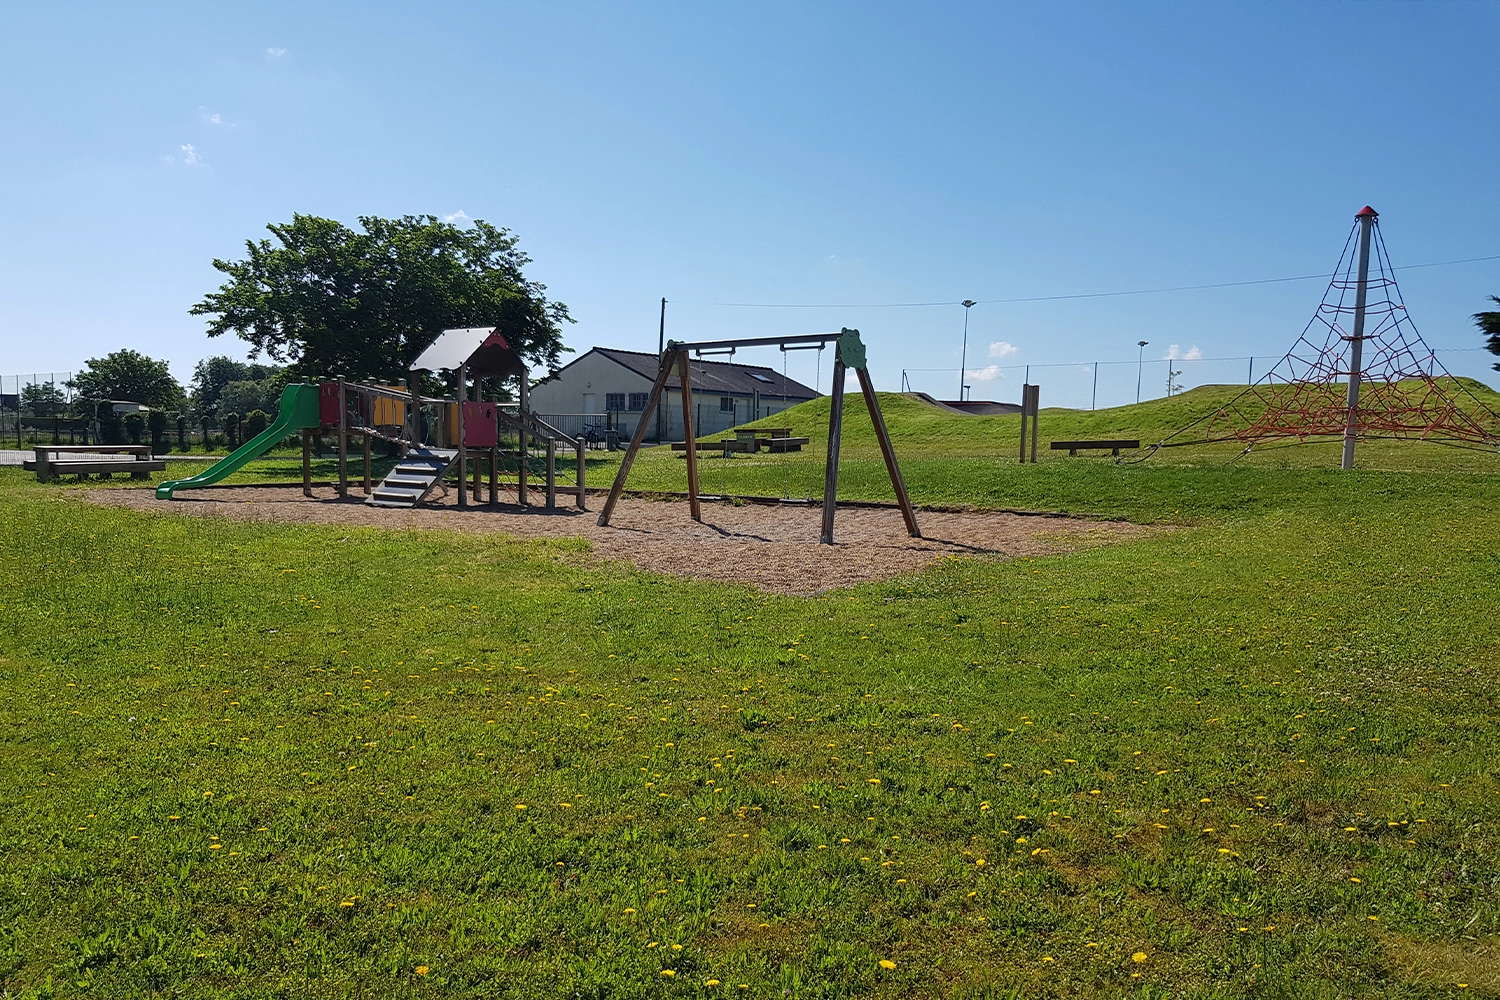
[
  {"x": 1074, "y": 447},
  {"x": 135, "y": 459}
]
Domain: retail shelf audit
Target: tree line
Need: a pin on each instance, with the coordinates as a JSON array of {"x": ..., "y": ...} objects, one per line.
[{"x": 319, "y": 299}]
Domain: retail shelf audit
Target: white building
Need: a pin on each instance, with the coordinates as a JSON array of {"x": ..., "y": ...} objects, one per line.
[{"x": 609, "y": 388}]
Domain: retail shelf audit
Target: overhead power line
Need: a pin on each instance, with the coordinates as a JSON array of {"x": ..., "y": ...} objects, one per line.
[{"x": 1058, "y": 298}]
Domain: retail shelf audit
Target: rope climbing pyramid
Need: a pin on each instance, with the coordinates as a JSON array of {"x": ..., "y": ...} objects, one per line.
[{"x": 1359, "y": 370}]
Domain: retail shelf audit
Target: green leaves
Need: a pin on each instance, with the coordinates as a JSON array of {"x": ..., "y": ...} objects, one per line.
[
  {"x": 128, "y": 375},
  {"x": 328, "y": 300}
]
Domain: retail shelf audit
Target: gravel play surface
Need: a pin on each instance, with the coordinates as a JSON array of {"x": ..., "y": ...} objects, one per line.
[{"x": 773, "y": 548}]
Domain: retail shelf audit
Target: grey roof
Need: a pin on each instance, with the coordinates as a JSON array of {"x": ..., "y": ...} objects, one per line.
[
  {"x": 722, "y": 377},
  {"x": 452, "y": 348},
  {"x": 482, "y": 348}
]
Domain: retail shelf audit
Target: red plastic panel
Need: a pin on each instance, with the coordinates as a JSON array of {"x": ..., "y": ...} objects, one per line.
[
  {"x": 480, "y": 428},
  {"x": 328, "y": 404}
]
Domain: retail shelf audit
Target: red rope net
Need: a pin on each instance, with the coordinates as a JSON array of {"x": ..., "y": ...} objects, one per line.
[{"x": 1405, "y": 392}]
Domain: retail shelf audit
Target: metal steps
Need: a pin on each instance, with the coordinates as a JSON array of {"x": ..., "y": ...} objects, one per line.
[{"x": 413, "y": 477}]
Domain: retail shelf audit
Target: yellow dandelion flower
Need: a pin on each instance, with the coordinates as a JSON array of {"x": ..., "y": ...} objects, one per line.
[
  {"x": 886, "y": 963},
  {"x": 629, "y": 910},
  {"x": 422, "y": 970},
  {"x": 710, "y": 982},
  {"x": 1138, "y": 957},
  {"x": 669, "y": 973}
]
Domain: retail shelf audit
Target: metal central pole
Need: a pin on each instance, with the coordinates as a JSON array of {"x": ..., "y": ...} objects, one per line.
[
  {"x": 661, "y": 345},
  {"x": 963, "y": 359},
  {"x": 1357, "y": 339}
]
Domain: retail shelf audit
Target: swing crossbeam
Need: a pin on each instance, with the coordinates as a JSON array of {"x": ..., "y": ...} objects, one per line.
[
  {"x": 849, "y": 353},
  {"x": 812, "y": 341}
]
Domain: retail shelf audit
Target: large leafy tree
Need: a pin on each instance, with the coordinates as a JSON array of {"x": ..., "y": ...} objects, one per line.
[
  {"x": 128, "y": 374},
  {"x": 211, "y": 375},
  {"x": 1489, "y": 325},
  {"x": 328, "y": 300}
]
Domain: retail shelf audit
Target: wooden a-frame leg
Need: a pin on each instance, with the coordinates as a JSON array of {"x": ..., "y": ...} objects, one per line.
[
  {"x": 908, "y": 513},
  {"x": 835, "y": 433},
  {"x": 685, "y": 381},
  {"x": 618, "y": 486}
]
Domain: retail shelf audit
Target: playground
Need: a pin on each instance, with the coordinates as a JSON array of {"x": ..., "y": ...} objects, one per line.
[{"x": 1221, "y": 722}]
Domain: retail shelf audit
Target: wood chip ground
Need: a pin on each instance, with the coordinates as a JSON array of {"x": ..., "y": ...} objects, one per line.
[{"x": 774, "y": 548}]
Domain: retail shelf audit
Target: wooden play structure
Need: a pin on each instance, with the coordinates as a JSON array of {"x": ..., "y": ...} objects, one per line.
[
  {"x": 849, "y": 353},
  {"x": 466, "y": 436},
  {"x": 434, "y": 435}
]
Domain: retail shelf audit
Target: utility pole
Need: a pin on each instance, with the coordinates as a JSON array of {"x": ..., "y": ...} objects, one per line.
[
  {"x": 661, "y": 346},
  {"x": 1366, "y": 217},
  {"x": 1140, "y": 361},
  {"x": 963, "y": 361}
]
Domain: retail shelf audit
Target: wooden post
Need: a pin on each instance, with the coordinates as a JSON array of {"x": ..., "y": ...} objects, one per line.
[
  {"x": 685, "y": 387},
  {"x": 494, "y": 476},
  {"x": 1025, "y": 407},
  {"x": 618, "y": 486},
  {"x": 463, "y": 452},
  {"x": 872, "y": 403},
  {"x": 479, "y": 456},
  {"x": 306, "y": 462},
  {"x": 524, "y": 413},
  {"x": 343, "y": 444},
  {"x": 551, "y": 473},
  {"x": 835, "y": 434},
  {"x": 367, "y": 463},
  {"x": 582, "y": 498},
  {"x": 415, "y": 384},
  {"x": 1036, "y": 407}
]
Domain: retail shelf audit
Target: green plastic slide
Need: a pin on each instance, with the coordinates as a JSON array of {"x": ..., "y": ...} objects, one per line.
[{"x": 298, "y": 410}]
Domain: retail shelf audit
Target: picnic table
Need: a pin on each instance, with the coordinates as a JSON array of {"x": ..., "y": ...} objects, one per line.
[
  {"x": 55, "y": 460},
  {"x": 751, "y": 440}
]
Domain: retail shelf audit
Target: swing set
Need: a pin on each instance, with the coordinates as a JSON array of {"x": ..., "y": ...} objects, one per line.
[{"x": 849, "y": 352}]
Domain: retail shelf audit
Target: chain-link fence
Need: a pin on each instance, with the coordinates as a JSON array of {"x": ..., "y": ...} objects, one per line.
[
  {"x": 39, "y": 409},
  {"x": 43, "y": 408},
  {"x": 1097, "y": 385}
]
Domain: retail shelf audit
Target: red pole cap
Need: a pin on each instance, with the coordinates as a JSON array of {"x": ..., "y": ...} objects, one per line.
[{"x": 1367, "y": 210}]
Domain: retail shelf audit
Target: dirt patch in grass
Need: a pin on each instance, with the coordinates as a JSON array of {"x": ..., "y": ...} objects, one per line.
[{"x": 774, "y": 548}]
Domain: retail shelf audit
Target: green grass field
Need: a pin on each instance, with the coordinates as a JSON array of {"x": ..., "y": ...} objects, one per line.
[{"x": 1256, "y": 755}]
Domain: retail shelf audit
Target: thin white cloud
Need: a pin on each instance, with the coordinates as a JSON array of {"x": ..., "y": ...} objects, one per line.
[
  {"x": 986, "y": 374},
  {"x": 1002, "y": 349},
  {"x": 275, "y": 53},
  {"x": 190, "y": 154},
  {"x": 1176, "y": 353},
  {"x": 214, "y": 119},
  {"x": 458, "y": 218}
]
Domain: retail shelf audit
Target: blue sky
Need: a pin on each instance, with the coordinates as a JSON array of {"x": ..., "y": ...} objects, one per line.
[{"x": 767, "y": 153}]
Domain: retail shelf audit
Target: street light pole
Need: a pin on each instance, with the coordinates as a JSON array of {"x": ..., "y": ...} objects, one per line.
[
  {"x": 1140, "y": 361},
  {"x": 963, "y": 359}
]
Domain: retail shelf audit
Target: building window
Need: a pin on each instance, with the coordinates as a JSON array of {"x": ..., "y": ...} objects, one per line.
[
  {"x": 638, "y": 401},
  {"x": 726, "y": 404},
  {"x": 614, "y": 401}
]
